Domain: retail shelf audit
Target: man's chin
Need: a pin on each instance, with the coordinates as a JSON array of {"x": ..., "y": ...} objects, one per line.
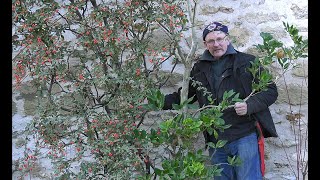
[{"x": 217, "y": 54}]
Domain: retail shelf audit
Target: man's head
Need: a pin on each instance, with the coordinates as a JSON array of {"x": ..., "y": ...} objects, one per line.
[{"x": 215, "y": 38}]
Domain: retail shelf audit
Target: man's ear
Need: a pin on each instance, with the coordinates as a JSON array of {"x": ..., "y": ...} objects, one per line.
[{"x": 228, "y": 39}]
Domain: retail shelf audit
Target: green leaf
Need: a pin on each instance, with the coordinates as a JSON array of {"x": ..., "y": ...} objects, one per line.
[
  {"x": 221, "y": 143},
  {"x": 234, "y": 161},
  {"x": 236, "y": 98},
  {"x": 158, "y": 171},
  {"x": 188, "y": 101},
  {"x": 210, "y": 131},
  {"x": 192, "y": 106},
  {"x": 155, "y": 99},
  {"x": 211, "y": 144},
  {"x": 176, "y": 107},
  {"x": 215, "y": 133}
]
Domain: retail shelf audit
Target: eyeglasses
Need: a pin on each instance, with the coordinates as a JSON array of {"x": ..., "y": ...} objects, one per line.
[{"x": 218, "y": 40}]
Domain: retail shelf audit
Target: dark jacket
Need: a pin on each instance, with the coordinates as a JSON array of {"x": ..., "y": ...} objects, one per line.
[{"x": 234, "y": 76}]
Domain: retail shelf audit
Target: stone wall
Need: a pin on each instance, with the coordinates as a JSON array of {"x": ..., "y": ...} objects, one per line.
[{"x": 245, "y": 19}]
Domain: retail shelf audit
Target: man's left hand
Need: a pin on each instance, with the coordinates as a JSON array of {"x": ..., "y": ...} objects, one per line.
[{"x": 241, "y": 108}]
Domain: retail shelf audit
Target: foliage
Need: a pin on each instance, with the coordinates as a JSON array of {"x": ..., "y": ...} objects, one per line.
[
  {"x": 286, "y": 57},
  {"x": 93, "y": 64},
  {"x": 179, "y": 133}
]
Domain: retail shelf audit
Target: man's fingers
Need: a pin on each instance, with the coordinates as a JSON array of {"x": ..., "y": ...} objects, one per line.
[{"x": 240, "y": 108}]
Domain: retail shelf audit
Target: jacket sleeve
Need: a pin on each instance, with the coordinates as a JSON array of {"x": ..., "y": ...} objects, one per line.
[
  {"x": 170, "y": 99},
  {"x": 263, "y": 99},
  {"x": 174, "y": 98}
]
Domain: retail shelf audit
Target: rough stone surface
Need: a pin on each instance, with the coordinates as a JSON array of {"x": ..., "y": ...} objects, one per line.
[
  {"x": 14, "y": 108},
  {"x": 301, "y": 70},
  {"x": 297, "y": 94},
  {"x": 209, "y": 10},
  {"x": 173, "y": 78},
  {"x": 159, "y": 39},
  {"x": 300, "y": 12},
  {"x": 30, "y": 107},
  {"x": 28, "y": 90},
  {"x": 276, "y": 32},
  {"x": 254, "y": 51},
  {"x": 240, "y": 36},
  {"x": 259, "y": 18}
]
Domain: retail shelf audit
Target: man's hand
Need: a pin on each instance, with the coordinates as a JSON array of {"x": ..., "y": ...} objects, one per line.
[{"x": 241, "y": 108}]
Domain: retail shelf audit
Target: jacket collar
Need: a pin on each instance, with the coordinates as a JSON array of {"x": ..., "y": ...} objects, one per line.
[{"x": 206, "y": 56}]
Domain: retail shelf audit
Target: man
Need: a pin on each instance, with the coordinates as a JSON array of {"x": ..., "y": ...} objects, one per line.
[{"x": 222, "y": 68}]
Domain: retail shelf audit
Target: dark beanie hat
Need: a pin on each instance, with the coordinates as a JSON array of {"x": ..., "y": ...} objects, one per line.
[{"x": 214, "y": 26}]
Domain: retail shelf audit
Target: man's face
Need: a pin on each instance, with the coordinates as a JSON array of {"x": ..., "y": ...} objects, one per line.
[{"x": 217, "y": 43}]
